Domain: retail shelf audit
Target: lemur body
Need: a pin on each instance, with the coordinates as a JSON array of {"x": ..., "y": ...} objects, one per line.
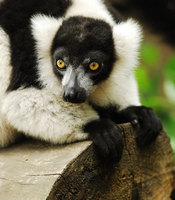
[{"x": 63, "y": 105}]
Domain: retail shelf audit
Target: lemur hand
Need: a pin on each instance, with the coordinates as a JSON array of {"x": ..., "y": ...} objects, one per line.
[
  {"x": 107, "y": 139},
  {"x": 147, "y": 121}
]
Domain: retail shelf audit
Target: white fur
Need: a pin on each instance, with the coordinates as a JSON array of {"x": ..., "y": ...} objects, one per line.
[
  {"x": 90, "y": 8},
  {"x": 7, "y": 133},
  {"x": 44, "y": 115},
  {"x": 5, "y": 67},
  {"x": 67, "y": 76},
  {"x": 121, "y": 88},
  {"x": 44, "y": 29},
  {"x": 127, "y": 37}
]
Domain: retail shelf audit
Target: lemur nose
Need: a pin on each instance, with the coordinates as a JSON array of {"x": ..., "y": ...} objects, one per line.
[{"x": 74, "y": 95}]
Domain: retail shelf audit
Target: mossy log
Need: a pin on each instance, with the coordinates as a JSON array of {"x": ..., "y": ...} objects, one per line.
[{"x": 142, "y": 174}]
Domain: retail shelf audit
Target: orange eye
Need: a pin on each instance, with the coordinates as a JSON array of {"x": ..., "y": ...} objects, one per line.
[
  {"x": 94, "y": 66},
  {"x": 61, "y": 64}
]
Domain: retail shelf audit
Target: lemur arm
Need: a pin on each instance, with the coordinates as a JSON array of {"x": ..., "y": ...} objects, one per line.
[
  {"x": 144, "y": 118},
  {"x": 41, "y": 114}
]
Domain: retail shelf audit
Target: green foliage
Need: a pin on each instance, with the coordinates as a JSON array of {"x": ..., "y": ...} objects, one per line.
[
  {"x": 150, "y": 54},
  {"x": 157, "y": 85},
  {"x": 170, "y": 70}
]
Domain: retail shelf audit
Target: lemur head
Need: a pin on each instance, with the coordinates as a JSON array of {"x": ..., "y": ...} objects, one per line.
[
  {"x": 80, "y": 53},
  {"x": 83, "y": 56}
]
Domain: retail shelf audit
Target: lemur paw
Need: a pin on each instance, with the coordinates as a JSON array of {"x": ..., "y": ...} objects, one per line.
[
  {"x": 149, "y": 124},
  {"x": 107, "y": 139}
]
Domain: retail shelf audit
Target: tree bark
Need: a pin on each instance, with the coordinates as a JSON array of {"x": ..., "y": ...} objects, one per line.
[{"x": 142, "y": 174}]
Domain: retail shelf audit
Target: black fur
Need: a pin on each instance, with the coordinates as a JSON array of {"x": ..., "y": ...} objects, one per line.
[
  {"x": 15, "y": 19},
  {"x": 109, "y": 112},
  {"x": 114, "y": 12},
  {"x": 149, "y": 125},
  {"x": 107, "y": 139},
  {"x": 84, "y": 38}
]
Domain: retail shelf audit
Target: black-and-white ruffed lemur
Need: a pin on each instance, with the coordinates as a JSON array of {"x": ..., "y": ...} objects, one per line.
[{"x": 67, "y": 74}]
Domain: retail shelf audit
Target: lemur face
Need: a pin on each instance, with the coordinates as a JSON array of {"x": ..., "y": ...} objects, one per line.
[{"x": 83, "y": 56}]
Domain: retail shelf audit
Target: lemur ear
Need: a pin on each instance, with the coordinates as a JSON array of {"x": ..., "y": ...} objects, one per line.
[
  {"x": 127, "y": 37},
  {"x": 44, "y": 28}
]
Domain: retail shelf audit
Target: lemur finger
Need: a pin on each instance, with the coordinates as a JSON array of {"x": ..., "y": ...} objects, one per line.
[
  {"x": 100, "y": 145},
  {"x": 115, "y": 145},
  {"x": 150, "y": 128}
]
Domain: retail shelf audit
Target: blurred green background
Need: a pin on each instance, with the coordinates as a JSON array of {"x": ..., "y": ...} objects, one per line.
[{"x": 156, "y": 78}]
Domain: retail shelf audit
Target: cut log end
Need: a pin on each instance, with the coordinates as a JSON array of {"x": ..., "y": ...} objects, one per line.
[
  {"x": 32, "y": 170},
  {"x": 147, "y": 174}
]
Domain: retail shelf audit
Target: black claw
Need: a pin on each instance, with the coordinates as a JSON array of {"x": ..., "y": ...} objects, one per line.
[{"x": 134, "y": 123}]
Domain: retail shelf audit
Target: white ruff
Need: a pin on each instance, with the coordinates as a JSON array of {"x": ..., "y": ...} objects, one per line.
[
  {"x": 44, "y": 29},
  {"x": 90, "y": 8},
  {"x": 7, "y": 133}
]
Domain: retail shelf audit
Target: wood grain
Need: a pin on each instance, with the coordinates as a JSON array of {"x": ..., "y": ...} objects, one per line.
[{"x": 147, "y": 174}]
